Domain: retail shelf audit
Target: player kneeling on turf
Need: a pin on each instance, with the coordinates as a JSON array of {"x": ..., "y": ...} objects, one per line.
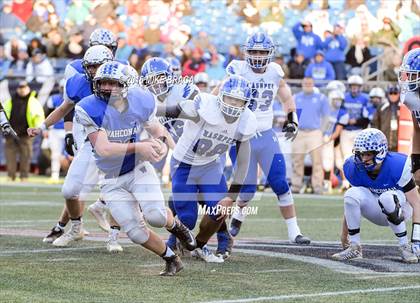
[
  {"x": 116, "y": 114},
  {"x": 382, "y": 183}
]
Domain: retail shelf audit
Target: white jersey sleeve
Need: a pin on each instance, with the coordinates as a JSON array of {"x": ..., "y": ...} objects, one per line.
[
  {"x": 247, "y": 126},
  {"x": 406, "y": 174},
  {"x": 85, "y": 120}
]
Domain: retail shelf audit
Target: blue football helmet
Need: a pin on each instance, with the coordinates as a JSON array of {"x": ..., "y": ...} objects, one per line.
[
  {"x": 409, "y": 73},
  {"x": 175, "y": 65},
  {"x": 259, "y": 50},
  {"x": 235, "y": 87},
  {"x": 95, "y": 56},
  {"x": 370, "y": 140},
  {"x": 111, "y": 72},
  {"x": 157, "y": 76},
  {"x": 102, "y": 36}
]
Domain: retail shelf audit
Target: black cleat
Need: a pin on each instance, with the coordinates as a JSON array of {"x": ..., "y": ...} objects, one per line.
[
  {"x": 224, "y": 244},
  {"x": 235, "y": 227},
  {"x": 302, "y": 240},
  {"x": 172, "y": 266},
  {"x": 184, "y": 235},
  {"x": 55, "y": 233}
]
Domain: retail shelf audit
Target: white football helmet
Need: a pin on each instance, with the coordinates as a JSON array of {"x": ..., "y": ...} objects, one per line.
[
  {"x": 102, "y": 36},
  {"x": 95, "y": 56},
  {"x": 335, "y": 85},
  {"x": 133, "y": 77},
  {"x": 114, "y": 72},
  {"x": 377, "y": 92}
]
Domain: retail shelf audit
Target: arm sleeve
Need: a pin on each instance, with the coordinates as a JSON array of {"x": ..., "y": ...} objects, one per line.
[
  {"x": 297, "y": 31},
  {"x": 343, "y": 42},
  {"x": 84, "y": 119},
  {"x": 330, "y": 72}
]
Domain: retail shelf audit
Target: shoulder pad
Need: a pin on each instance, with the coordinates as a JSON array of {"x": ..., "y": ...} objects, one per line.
[
  {"x": 94, "y": 107},
  {"x": 247, "y": 126},
  {"x": 277, "y": 68},
  {"x": 142, "y": 102},
  {"x": 208, "y": 109},
  {"x": 233, "y": 67}
]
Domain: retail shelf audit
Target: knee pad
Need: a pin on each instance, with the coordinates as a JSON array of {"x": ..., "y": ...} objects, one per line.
[
  {"x": 71, "y": 190},
  {"x": 156, "y": 217},
  {"x": 285, "y": 199},
  {"x": 139, "y": 234},
  {"x": 391, "y": 208}
]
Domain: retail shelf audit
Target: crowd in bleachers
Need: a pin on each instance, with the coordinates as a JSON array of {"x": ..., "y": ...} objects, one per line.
[{"x": 318, "y": 40}]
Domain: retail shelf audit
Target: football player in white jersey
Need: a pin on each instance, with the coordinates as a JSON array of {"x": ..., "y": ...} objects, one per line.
[
  {"x": 157, "y": 75},
  {"x": 409, "y": 80},
  {"x": 266, "y": 79},
  {"x": 214, "y": 124},
  {"x": 382, "y": 191}
]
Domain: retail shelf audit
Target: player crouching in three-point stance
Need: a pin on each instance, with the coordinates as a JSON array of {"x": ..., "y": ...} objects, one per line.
[
  {"x": 116, "y": 114},
  {"x": 382, "y": 183},
  {"x": 409, "y": 80},
  {"x": 215, "y": 123}
]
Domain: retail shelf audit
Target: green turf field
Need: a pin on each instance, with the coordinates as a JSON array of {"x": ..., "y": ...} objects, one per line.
[{"x": 262, "y": 269}]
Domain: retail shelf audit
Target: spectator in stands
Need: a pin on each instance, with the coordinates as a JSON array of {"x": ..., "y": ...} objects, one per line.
[
  {"x": 215, "y": 68},
  {"x": 307, "y": 42},
  {"x": 4, "y": 63},
  {"x": 134, "y": 60},
  {"x": 75, "y": 48},
  {"x": 388, "y": 34},
  {"x": 233, "y": 54},
  {"x": 314, "y": 109},
  {"x": 124, "y": 50},
  {"x": 362, "y": 24},
  {"x": 10, "y": 25},
  {"x": 56, "y": 45},
  {"x": 386, "y": 118},
  {"x": 23, "y": 111},
  {"x": 18, "y": 66},
  {"x": 35, "y": 43},
  {"x": 320, "y": 70},
  {"x": 335, "y": 46},
  {"x": 297, "y": 66},
  {"x": 358, "y": 54},
  {"x": 12, "y": 47},
  {"x": 194, "y": 65},
  {"x": 356, "y": 104},
  {"x": 39, "y": 68}
]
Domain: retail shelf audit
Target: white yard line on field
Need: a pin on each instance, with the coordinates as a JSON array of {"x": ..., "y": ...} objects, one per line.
[{"x": 322, "y": 294}]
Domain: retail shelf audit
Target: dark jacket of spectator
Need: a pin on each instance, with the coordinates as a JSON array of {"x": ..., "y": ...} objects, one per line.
[
  {"x": 36, "y": 44},
  {"x": 353, "y": 59},
  {"x": 307, "y": 42},
  {"x": 297, "y": 66}
]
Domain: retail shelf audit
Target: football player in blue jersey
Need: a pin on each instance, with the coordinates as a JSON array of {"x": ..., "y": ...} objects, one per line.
[
  {"x": 214, "y": 124},
  {"x": 266, "y": 78},
  {"x": 383, "y": 191},
  {"x": 77, "y": 179},
  {"x": 409, "y": 80},
  {"x": 113, "y": 119}
]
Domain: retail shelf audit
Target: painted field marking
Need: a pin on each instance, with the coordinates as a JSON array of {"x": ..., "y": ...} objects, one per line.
[
  {"x": 48, "y": 250},
  {"x": 322, "y": 294}
]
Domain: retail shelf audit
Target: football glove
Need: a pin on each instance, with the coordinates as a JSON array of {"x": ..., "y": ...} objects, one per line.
[
  {"x": 290, "y": 127},
  {"x": 415, "y": 246},
  {"x": 69, "y": 143}
]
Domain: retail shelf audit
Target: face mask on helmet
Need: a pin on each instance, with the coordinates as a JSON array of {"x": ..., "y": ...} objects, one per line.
[
  {"x": 157, "y": 84},
  {"x": 365, "y": 160},
  {"x": 258, "y": 58},
  {"x": 409, "y": 80},
  {"x": 234, "y": 96},
  {"x": 370, "y": 149},
  {"x": 109, "y": 89},
  {"x": 231, "y": 106},
  {"x": 90, "y": 70}
]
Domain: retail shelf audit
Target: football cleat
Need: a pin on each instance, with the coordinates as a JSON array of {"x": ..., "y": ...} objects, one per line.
[
  {"x": 113, "y": 246},
  {"x": 353, "y": 252},
  {"x": 74, "y": 234},
  {"x": 184, "y": 235},
  {"x": 55, "y": 233},
  {"x": 172, "y": 266},
  {"x": 99, "y": 211},
  {"x": 302, "y": 240},
  {"x": 235, "y": 227},
  {"x": 206, "y": 255},
  {"x": 181, "y": 250},
  {"x": 224, "y": 244},
  {"x": 407, "y": 254}
]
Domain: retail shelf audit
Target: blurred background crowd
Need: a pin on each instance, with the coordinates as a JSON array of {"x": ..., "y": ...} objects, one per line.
[{"x": 319, "y": 40}]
